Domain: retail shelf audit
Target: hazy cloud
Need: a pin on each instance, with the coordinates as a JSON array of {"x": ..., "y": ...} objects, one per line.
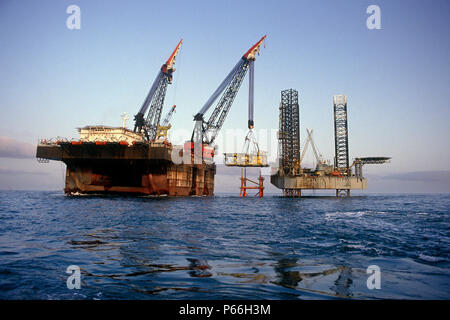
[
  {"x": 10, "y": 148},
  {"x": 423, "y": 176}
]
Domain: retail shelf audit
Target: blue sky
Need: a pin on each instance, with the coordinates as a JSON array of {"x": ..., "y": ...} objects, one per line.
[{"x": 396, "y": 79}]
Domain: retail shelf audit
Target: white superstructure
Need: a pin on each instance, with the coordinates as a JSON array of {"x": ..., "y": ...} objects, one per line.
[{"x": 109, "y": 134}]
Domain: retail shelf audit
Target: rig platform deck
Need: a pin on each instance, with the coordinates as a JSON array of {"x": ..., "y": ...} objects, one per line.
[
  {"x": 297, "y": 183},
  {"x": 141, "y": 168}
]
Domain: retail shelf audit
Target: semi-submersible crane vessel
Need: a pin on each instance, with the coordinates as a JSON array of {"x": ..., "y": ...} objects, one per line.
[{"x": 142, "y": 161}]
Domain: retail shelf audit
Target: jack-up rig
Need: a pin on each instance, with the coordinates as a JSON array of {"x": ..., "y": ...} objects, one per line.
[
  {"x": 142, "y": 161},
  {"x": 292, "y": 177}
]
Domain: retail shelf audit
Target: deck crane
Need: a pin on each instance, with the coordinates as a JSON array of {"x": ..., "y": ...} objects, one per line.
[
  {"x": 162, "y": 129},
  {"x": 313, "y": 146},
  {"x": 205, "y": 132},
  {"x": 154, "y": 101}
]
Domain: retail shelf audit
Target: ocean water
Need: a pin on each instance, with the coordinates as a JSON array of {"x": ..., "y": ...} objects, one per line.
[{"x": 224, "y": 247}]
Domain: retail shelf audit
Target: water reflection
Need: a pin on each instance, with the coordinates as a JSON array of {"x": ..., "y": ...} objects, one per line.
[
  {"x": 140, "y": 258},
  {"x": 199, "y": 268},
  {"x": 343, "y": 283},
  {"x": 286, "y": 277},
  {"x": 290, "y": 275}
]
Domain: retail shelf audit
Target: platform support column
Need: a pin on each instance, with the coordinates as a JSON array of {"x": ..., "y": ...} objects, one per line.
[
  {"x": 260, "y": 186},
  {"x": 244, "y": 182},
  {"x": 253, "y": 184},
  {"x": 342, "y": 192},
  {"x": 294, "y": 193}
]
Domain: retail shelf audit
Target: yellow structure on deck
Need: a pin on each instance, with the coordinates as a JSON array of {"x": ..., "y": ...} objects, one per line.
[
  {"x": 161, "y": 132},
  {"x": 252, "y": 157},
  {"x": 258, "y": 159}
]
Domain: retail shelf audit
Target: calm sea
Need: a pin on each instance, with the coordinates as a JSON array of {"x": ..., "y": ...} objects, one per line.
[{"x": 223, "y": 247}]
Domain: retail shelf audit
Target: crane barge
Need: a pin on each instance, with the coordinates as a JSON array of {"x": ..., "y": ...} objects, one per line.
[{"x": 108, "y": 159}]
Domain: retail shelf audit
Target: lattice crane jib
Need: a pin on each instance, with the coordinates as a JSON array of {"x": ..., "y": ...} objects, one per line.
[
  {"x": 161, "y": 132},
  {"x": 154, "y": 101},
  {"x": 205, "y": 132}
]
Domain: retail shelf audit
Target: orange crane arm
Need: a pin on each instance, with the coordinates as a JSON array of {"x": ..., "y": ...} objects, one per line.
[
  {"x": 168, "y": 68},
  {"x": 250, "y": 54}
]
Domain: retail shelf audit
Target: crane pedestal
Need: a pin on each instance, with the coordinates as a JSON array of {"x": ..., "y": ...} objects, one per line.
[{"x": 253, "y": 184}]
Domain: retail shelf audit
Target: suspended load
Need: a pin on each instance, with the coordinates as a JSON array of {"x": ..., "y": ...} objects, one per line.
[{"x": 251, "y": 156}]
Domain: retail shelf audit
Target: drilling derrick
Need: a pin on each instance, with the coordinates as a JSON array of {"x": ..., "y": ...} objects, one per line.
[
  {"x": 341, "y": 139},
  {"x": 289, "y": 138},
  {"x": 289, "y": 135},
  {"x": 341, "y": 134}
]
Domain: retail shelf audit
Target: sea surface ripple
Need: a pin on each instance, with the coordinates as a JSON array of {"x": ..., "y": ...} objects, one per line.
[{"x": 224, "y": 247}]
